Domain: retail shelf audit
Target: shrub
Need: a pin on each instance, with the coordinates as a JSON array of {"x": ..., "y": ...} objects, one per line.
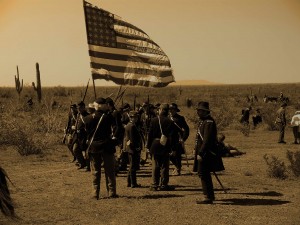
[
  {"x": 294, "y": 159},
  {"x": 276, "y": 168}
]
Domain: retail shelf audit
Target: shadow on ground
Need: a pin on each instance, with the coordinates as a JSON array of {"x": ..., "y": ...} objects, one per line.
[{"x": 251, "y": 201}]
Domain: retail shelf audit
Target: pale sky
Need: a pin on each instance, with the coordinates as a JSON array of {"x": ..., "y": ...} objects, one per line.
[{"x": 224, "y": 41}]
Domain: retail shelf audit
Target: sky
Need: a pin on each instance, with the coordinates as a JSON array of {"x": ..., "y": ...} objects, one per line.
[{"x": 223, "y": 41}]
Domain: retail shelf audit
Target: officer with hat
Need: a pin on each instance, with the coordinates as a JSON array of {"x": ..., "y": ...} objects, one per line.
[{"x": 205, "y": 151}]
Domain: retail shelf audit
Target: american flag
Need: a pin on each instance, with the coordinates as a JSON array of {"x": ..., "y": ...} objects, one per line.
[{"x": 123, "y": 53}]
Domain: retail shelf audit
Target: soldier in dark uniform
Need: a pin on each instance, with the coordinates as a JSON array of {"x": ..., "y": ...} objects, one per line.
[
  {"x": 70, "y": 129},
  {"x": 180, "y": 137},
  {"x": 123, "y": 158},
  {"x": 102, "y": 147},
  {"x": 160, "y": 125},
  {"x": 133, "y": 145},
  {"x": 80, "y": 136},
  {"x": 206, "y": 151},
  {"x": 281, "y": 122},
  {"x": 245, "y": 116},
  {"x": 147, "y": 113}
]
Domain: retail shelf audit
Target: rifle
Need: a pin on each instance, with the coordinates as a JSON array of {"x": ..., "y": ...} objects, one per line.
[{"x": 67, "y": 128}]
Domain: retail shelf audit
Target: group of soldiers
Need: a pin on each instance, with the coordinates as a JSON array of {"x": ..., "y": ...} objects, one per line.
[{"x": 95, "y": 132}]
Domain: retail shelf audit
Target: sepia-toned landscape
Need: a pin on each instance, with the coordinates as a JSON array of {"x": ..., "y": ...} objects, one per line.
[{"x": 47, "y": 188}]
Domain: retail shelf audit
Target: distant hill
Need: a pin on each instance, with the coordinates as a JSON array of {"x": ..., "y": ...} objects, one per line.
[{"x": 193, "y": 82}]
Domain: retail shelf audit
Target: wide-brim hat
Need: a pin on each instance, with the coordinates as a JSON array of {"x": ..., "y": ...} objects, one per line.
[
  {"x": 203, "y": 106},
  {"x": 174, "y": 106}
]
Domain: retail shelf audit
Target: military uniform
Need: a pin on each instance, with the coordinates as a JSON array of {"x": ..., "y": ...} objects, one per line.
[
  {"x": 281, "y": 122},
  {"x": 160, "y": 153},
  {"x": 180, "y": 136},
  {"x": 206, "y": 148},
  {"x": 79, "y": 139},
  {"x": 133, "y": 145},
  {"x": 102, "y": 150}
]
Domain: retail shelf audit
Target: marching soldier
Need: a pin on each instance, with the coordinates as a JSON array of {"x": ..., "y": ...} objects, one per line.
[
  {"x": 281, "y": 122},
  {"x": 133, "y": 145},
  {"x": 180, "y": 137},
  {"x": 205, "y": 150},
  {"x": 101, "y": 147},
  {"x": 160, "y": 144},
  {"x": 123, "y": 159},
  {"x": 70, "y": 129},
  {"x": 79, "y": 138}
]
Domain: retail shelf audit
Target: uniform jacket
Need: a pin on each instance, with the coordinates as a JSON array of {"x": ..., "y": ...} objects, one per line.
[
  {"x": 133, "y": 141},
  {"x": 183, "y": 129},
  {"x": 154, "y": 135},
  {"x": 206, "y": 144},
  {"x": 80, "y": 126},
  {"x": 104, "y": 131},
  {"x": 281, "y": 116}
]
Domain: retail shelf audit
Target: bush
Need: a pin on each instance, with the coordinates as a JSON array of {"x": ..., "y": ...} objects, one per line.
[
  {"x": 276, "y": 168},
  {"x": 294, "y": 158}
]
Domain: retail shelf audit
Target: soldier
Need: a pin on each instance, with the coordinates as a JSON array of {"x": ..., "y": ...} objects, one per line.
[
  {"x": 281, "y": 122},
  {"x": 80, "y": 137},
  {"x": 70, "y": 128},
  {"x": 205, "y": 151},
  {"x": 101, "y": 147},
  {"x": 180, "y": 137},
  {"x": 133, "y": 145},
  {"x": 123, "y": 159},
  {"x": 146, "y": 114},
  {"x": 245, "y": 116},
  {"x": 160, "y": 143}
]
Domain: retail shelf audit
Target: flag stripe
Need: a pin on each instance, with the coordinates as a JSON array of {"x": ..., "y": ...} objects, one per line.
[
  {"x": 132, "y": 79},
  {"x": 142, "y": 58},
  {"x": 122, "y": 52},
  {"x": 132, "y": 34},
  {"x": 140, "y": 71},
  {"x": 129, "y": 64}
]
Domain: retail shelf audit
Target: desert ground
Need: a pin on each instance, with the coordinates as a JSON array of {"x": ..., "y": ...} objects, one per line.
[{"x": 48, "y": 189}]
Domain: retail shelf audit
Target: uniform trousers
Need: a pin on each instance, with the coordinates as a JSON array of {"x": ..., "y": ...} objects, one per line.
[
  {"x": 160, "y": 170},
  {"x": 108, "y": 160},
  {"x": 134, "y": 160},
  {"x": 281, "y": 132},
  {"x": 206, "y": 180}
]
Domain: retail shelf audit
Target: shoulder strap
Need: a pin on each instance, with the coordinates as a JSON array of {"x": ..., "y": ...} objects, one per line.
[
  {"x": 95, "y": 132},
  {"x": 160, "y": 125}
]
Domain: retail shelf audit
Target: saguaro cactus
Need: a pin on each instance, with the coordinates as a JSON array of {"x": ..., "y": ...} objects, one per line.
[
  {"x": 38, "y": 87},
  {"x": 19, "y": 85}
]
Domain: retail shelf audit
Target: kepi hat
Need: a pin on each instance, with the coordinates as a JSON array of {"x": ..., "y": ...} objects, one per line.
[{"x": 203, "y": 106}]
